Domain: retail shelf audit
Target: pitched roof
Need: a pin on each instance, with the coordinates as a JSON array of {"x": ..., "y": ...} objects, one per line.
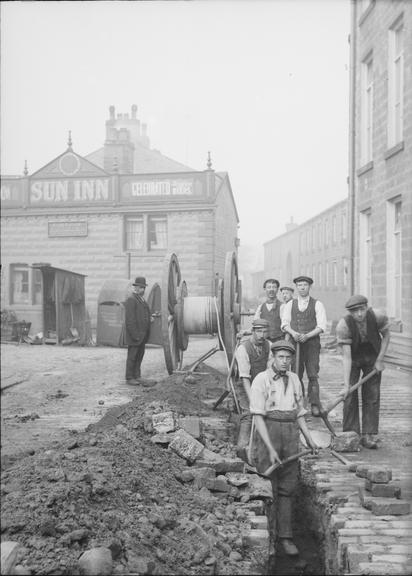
[{"x": 145, "y": 161}]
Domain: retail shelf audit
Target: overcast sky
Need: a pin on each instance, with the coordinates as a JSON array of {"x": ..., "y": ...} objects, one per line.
[{"x": 263, "y": 85}]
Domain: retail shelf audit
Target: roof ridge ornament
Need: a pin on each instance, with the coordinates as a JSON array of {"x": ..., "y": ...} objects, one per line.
[
  {"x": 209, "y": 161},
  {"x": 69, "y": 141}
]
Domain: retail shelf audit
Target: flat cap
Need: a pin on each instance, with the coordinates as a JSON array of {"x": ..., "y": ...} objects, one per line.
[
  {"x": 260, "y": 323},
  {"x": 355, "y": 301},
  {"x": 287, "y": 288},
  {"x": 282, "y": 345},
  {"x": 303, "y": 279}
]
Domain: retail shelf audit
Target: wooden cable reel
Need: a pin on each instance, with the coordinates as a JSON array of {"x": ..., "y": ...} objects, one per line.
[{"x": 182, "y": 315}]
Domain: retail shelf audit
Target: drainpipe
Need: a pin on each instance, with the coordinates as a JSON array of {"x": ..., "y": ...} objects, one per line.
[{"x": 352, "y": 142}]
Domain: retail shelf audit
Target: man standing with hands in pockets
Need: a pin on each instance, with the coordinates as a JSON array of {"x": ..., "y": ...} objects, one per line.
[{"x": 304, "y": 319}]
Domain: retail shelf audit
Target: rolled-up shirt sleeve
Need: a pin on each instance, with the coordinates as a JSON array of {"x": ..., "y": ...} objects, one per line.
[
  {"x": 343, "y": 334},
  {"x": 321, "y": 319},
  {"x": 243, "y": 362},
  {"x": 286, "y": 315},
  {"x": 258, "y": 395}
]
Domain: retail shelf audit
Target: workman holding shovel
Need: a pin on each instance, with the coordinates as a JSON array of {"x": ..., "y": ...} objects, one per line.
[
  {"x": 304, "y": 319},
  {"x": 364, "y": 336},
  {"x": 252, "y": 357},
  {"x": 276, "y": 403}
]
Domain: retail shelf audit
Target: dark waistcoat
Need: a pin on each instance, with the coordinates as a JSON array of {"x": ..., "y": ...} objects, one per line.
[
  {"x": 257, "y": 363},
  {"x": 372, "y": 334},
  {"x": 273, "y": 317},
  {"x": 303, "y": 322}
]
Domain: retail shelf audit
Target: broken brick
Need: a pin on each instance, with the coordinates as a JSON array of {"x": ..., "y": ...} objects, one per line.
[{"x": 186, "y": 446}]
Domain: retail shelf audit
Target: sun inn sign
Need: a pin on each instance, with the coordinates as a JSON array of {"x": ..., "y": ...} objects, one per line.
[{"x": 87, "y": 190}]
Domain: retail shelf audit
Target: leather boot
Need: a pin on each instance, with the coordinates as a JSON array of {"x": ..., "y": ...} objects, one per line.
[{"x": 289, "y": 547}]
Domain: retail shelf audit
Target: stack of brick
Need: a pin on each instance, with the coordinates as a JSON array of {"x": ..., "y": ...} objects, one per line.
[{"x": 380, "y": 495}]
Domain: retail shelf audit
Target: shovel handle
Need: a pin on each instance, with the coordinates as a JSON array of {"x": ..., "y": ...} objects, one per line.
[
  {"x": 352, "y": 389},
  {"x": 286, "y": 461}
]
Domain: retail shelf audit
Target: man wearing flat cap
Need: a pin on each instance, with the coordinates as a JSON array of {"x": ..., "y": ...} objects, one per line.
[
  {"x": 364, "y": 336},
  {"x": 252, "y": 357},
  {"x": 276, "y": 403},
  {"x": 304, "y": 319},
  {"x": 270, "y": 310},
  {"x": 137, "y": 328}
]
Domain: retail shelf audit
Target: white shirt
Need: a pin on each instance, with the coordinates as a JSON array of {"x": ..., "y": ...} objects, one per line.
[
  {"x": 267, "y": 394},
  {"x": 243, "y": 360},
  {"x": 302, "y": 305}
]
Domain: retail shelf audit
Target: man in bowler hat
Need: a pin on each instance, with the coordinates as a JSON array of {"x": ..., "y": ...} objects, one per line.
[
  {"x": 364, "y": 336},
  {"x": 137, "y": 320},
  {"x": 304, "y": 318}
]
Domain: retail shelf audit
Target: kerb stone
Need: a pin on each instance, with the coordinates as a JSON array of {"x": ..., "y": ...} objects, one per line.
[
  {"x": 186, "y": 446},
  {"x": 346, "y": 442},
  {"x": 379, "y": 475},
  {"x": 191, "y": 424},
  {"x": 385, "y": 506},
  {"x": 256, "y": 538},
  {"x": 383, "y": 490}
]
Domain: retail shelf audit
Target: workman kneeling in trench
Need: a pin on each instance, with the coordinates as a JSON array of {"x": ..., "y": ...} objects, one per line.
[{"x": 276, "y": 403}]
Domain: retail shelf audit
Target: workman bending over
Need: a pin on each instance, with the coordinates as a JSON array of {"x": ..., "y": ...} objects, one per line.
[
  {"x": 270, "y": 310},
  {"x": 364, "y": 336},
  {"x": 276, "y": 403},
  {"x": 304, "y": 318},
  {"x": 252, "y": 357}
]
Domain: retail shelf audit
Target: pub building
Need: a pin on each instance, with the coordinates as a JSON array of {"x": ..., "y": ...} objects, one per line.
[{"x": 112, "y": 215}]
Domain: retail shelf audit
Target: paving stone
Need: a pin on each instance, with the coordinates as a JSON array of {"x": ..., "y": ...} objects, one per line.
[
  {"x": 256, "y": 538},
  {"x": 256, "y": 506},
  {"x": 384, "y": 490},
  {"x": 96, "y": 562},
  {"x": 191, "y": 424},
  {"x": 379, "y": 475},
  {"x": 362, "y": 470},
  {"x": 346, "y": 442},
  {"x": 220, "y": 464},
  {"x": 237, "y": 479},
  {"x": 390, "y": 506},
  {"x": 164, "y": 422},
  {"x": 259, "y": 522},
  {"x": 218, "y": 485},
  {"x": 186, "y": 446},
  {"x": 258, "y": 487},
  {"x": 369, "y": 568},
  {"x": 355, "y": 554}
]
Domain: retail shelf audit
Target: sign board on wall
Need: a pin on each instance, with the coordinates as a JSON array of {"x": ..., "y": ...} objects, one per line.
[
  {"x": 133, "y": 189},
  {"x": 11, "y": 192},
  {"x": 69, "y": 191},
  {"x": 63, "y": 228}
]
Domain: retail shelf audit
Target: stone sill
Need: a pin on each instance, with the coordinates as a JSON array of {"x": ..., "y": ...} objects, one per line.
[
  {"x": 394, "y": 150},
  {"x": 365, "y": 168}
]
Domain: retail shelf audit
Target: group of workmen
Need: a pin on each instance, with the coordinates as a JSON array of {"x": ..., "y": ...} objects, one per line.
[{"x": 284, "y": 343}]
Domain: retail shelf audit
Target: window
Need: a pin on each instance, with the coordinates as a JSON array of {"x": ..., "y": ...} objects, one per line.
[
  {"x": 145, "y": 233},
  {"x": 302, "y": 242},
  {"x": 325, "y": 232},
  {"x": 395, "y": 87},
  {"x": 326, "y": 274},
  {"x": 308, "y": 239},
  {"x": 366, "y": 110},
  {"x": 344, "y": 226},
  {"x": 345, "y": 271},
  {"x": 313, "y": 238},
  {"x": 134, "y": 233},
  {"x": 334, "y": 229},
  {"x": 365, "y": 259},
  {"x": 320, "y": 274},
  {"x": 157, "y": 227},
  {"x": 26, "y": 285},
  {"x": 334, "y": 273},
  {"x": 320, "y": 235},
  {"x": 394, "y": 262},
  {"x": 314, "y": 273}
]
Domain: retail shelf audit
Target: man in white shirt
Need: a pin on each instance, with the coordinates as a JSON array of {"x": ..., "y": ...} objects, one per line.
[
  {"x": 304, "y": 319},
  {"x": 276, "y": 403}
]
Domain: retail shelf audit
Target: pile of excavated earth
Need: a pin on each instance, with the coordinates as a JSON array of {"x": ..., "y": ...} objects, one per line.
[{"x": 154, "y": 487}]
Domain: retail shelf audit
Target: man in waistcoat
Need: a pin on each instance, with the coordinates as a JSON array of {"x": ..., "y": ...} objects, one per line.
[
  {"x": 304, "y": 318},
  {"x": 252, "y": 357},
  {"x": 276, "y": 403},
  {"x": 137, "y": 328},
  {"x": 270, "y": 310},
  {"x": 364, "y": 336}
]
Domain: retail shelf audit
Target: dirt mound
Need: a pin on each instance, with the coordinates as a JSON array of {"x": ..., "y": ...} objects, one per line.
[{"x": 111, "y": 486}]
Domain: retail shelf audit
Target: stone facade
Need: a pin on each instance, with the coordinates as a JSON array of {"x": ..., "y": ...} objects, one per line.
[{"x": 108, "y": 225}]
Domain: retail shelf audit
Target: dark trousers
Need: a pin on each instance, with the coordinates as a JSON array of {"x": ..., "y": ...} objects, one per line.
[
  {"x": 370, "y": 400},
  {"x": 309, "y": 360},
  {"x": 134, "y": 360},
  {"x": 285, "y": 439}
]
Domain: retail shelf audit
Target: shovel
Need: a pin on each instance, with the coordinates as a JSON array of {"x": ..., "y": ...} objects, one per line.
[
  {"x": 350, "y": 391},
  {"x": 321, "y": 439}
]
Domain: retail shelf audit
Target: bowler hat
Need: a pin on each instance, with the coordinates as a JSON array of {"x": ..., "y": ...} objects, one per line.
[
  {"x": 287, "y": 288},
  {"x": 140, "y": 281},
  {"x": 303, "y": 279},
  {"x": 260, "y": 323},
  {"x": 282, "y": 345},
  {"x": 356, "y": 301}
]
